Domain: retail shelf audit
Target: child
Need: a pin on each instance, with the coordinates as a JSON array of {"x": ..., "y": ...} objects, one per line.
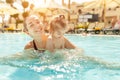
[{"x": 58, "y": 27}]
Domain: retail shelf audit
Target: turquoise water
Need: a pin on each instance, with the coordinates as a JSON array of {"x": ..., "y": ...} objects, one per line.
[{"x": 71, "y": 66}]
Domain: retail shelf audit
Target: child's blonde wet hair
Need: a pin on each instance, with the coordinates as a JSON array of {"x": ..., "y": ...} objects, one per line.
[{"x": 57, "y": 22}]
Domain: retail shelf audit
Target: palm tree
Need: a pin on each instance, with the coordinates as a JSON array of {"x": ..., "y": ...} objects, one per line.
[
  {"x": 69, "y": 8},
  {"x": 25, "y": 4},
  {"x": 44, "y": 1},
  {"x": 10, "y": 2},
  {"x": 102, "y": 5},
  {"x": 63, "y": 2}
]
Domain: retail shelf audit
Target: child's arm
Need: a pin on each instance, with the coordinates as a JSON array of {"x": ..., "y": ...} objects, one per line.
[
  {"x": 68, "y": 44},
  {"x": 28, "y": 45}
]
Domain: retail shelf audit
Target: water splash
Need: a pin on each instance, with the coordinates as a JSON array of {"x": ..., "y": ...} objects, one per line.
[{"x": 61, "y": 62}]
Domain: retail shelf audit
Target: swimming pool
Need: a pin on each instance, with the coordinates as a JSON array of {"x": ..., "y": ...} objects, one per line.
[{"x": 105, "y": 48}]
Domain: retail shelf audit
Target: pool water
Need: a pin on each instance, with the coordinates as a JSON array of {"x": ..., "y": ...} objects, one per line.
[
  {"x": 55, "y": 67},
  {"x": 102, "y": 46}
]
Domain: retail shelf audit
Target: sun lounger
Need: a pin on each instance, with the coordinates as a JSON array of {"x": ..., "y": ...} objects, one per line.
[
  {"x": 81, "y": 27},
  {"x": 19, "y": 27},
  {"x": 1, "y": 28},
  {"x": 91, "y": 27},
  {"x": 107, "y": 29},
  {"x": 99, "y": 27},
  {"x": 11, "y": 27}
]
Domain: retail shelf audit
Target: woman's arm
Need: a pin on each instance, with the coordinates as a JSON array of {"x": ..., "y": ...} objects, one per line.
[
  {"x": 49, "y": 44},
  {"x": 28, "y": 45}
]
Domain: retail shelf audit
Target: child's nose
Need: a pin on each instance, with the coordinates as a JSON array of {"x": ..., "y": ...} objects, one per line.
[{"x": 41, "y": 28}]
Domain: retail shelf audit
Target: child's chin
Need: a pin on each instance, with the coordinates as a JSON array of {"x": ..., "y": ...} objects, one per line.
[
  {"x": 58, "y": 36},
  {"x": 39, "y": 32}
]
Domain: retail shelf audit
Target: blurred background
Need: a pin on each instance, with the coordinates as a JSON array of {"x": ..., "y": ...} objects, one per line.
[{"x": 78, "y": 12}]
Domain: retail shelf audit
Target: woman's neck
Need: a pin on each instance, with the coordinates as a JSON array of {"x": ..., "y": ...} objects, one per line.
[{"x": 41, "y": 42}]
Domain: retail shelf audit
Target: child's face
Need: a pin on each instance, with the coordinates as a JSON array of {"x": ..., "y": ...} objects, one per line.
[
  {"x": 58, "y": 27},
  {"x": 59, "y": 33},
  {"x": 34, "y": 26}
]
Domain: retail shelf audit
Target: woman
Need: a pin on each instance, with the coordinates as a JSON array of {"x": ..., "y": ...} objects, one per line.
[{"x": 34, "y": 27}]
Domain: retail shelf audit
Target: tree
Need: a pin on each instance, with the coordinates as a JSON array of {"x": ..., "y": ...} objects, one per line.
[
  {"x": 25, "y": 14},
  {"x": 10, "y": 2},
  {"x": 25, "y": 4},
  {"x": 69, "y": 8},
  {"x": 32, "y": 6},
  {"x": 79, "y": 11}
]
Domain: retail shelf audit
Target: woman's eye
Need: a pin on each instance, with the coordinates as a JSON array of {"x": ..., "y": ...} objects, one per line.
[
  {"x": 59, "y": 32},
  {"x": 37, "y": 22},
  {"x": 31, "y": 25}
]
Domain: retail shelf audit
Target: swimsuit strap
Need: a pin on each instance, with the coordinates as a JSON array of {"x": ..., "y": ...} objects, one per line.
[{"x": 34, "y": 45}]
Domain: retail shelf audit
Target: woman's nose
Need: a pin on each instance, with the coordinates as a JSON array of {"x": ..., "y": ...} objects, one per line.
[
  {"x": 40, "y": 28},
  {"x": 38, "y": 25}
]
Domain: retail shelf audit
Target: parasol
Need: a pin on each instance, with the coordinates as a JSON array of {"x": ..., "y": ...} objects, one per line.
[{"x": 102, "y": 6}]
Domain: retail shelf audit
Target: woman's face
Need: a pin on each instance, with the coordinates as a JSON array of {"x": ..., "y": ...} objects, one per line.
[{"x": 34, "y": 26}]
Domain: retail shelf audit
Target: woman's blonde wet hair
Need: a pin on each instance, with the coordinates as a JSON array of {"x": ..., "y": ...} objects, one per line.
[{"x": 24, "y": 23}]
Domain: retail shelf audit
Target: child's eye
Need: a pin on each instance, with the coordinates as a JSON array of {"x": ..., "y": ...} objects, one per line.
[
  {"x": 59, "y": 32},
  {"x": 37, "y": 22}
]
